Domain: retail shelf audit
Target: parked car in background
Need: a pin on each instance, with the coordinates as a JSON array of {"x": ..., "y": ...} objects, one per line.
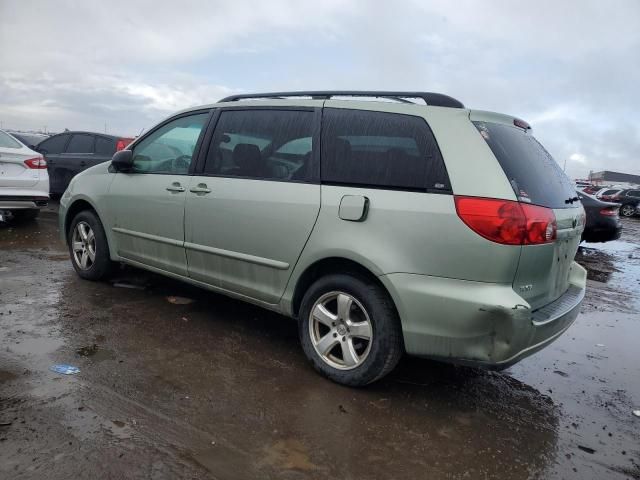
[
  {"x": 629, "y": 201},
  {"x": 591, "y": 189},
  {"x": 398, "y": 227},
  {"x": 24, "y": 183},
  {"x": 607, "y": 194},
  {"x": 603, "y": 222},
  {"x": 69, "y": 153},
  {"x": 31, "y": 140}
]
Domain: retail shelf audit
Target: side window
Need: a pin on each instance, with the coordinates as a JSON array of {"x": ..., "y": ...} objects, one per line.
[
  {"x": 105, "y": 146},
  {"x": 170, "y": 148},
  {"x": 80, "y": 143},
  {"x": 53, "y": 145},
  {"x": 380, "y": 149},
  {"x": 265, "y": 144},
  {"x": 634, "y": 193}
]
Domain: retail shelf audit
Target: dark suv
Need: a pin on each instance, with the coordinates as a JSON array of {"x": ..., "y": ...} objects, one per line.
[
  {"x": 69, "y": 153},
  {"x": 628, "y": 200}
]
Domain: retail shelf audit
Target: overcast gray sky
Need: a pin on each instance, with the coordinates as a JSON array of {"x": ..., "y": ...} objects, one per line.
[{"x": 570, "y": 68}]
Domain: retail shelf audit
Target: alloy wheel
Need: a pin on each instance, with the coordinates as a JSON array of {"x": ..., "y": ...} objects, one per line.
[
  {"x": 340, "y": 329},
  {"x": 83, "y": 245},
  {"x": 627, "y": 210}
]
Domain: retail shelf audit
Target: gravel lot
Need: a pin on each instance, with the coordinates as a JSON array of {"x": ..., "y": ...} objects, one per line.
[{"x": 220, "y": 389}]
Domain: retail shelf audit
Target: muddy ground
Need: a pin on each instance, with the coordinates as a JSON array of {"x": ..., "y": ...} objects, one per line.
[{"x": 221, "y": 389}]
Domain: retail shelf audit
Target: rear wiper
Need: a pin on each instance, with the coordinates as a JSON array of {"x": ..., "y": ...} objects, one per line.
[{"x": 571, "y": 200}]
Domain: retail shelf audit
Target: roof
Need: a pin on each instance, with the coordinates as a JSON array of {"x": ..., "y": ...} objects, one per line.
[
  {"x": 616, "y": 176},
  {"x": 429, "y": 98}
]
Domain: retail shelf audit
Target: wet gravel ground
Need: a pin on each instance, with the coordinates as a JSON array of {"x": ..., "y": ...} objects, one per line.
[{"x": 220, "y": 389}]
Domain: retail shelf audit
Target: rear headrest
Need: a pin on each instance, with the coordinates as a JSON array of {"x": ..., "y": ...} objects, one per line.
[
  {"x": 342, "y": 149},
  {"x": 247, "y": 158}
]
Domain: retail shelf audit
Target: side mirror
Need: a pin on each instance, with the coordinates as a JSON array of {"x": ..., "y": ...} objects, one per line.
[{"x": 122, "y": 161}]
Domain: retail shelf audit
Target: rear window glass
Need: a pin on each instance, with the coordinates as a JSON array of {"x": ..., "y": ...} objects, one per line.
[
  {"x": 533, "y": 173},
  {"x": 378, "y": 149},
  {"x": 6, "y": 141}
]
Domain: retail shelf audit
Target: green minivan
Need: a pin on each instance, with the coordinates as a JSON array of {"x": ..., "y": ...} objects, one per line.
[{"x": 384, "y": 222}]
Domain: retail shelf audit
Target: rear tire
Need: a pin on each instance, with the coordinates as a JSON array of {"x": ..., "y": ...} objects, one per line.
[
  {"x": 25, "y": 215},
  {"x": 627, "y": 210},
  {"x": 355, "y": 323},
  {"x": 88, "y": 247}
]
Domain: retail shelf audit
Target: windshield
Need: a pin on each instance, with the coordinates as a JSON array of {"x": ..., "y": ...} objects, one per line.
[{"x": 533, "y": 173}]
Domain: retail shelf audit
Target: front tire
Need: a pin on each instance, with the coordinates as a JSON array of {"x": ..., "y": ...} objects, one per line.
[
  {"x": 350, "y": 330},
  {"x": 88, "y": 246},
  {"x": 627, "y": 210}
]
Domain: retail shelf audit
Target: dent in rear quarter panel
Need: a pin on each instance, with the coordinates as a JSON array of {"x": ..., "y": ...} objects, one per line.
[{"x": 91, "y": 186}]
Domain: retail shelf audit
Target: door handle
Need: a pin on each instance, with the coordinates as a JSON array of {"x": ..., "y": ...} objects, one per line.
[
  {"x": 200, "y": 188},
  {"x": 175, "y": 187}
]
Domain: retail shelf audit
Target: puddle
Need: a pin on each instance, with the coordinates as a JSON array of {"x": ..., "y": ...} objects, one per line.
[
  {"x": 58, "y": 258},
  {"x": 597, "y": 390},
  {"x": 6, "y": 376},
  {"x": 36, "y": 346},
  {"x": 289, "y": 454},
  {"x": 95, "y": 352},
  {"x": 87, "y": 351}
]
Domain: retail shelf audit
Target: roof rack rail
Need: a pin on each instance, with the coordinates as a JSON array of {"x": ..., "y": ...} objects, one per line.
[{"x": 434, "y": 99}]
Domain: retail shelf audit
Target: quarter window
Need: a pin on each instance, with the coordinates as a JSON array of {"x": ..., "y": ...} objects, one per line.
[
  {"x": 80, "y": 144},
  {"x": 265, "y": 144},
  {"x": 378, "y": 149},
  {"x": 169, "y": 149}
]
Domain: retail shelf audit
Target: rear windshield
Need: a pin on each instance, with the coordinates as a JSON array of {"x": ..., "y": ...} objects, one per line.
[
  {"x": 7, "y": 141},
  {"x": 534, "y": 174}
]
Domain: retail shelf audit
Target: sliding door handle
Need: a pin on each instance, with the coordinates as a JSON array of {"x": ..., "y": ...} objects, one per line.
[
  {"x": 175, "y": 187},
  {"x": 200, "y": 188}
]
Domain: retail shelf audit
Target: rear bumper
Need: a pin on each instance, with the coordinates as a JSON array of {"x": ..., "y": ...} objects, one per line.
[
  {"x": 605, "y": 234},
  {"x": 478, "y": 323},
  {"x": 23, "y": 202}
]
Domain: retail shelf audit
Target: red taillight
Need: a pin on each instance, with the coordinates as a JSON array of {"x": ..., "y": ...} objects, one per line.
[
  {"x": 122, "y": 143},
  {"x": 506, "y": 221},
  {"x": 37, "y": 162},
  {"x": 609, "y": 212}
]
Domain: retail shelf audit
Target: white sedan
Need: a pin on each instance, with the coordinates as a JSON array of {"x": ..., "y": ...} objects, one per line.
[{"x": 24, "y": 181}]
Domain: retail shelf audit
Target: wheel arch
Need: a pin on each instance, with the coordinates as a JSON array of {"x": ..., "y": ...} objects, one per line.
[
  {"x": 327, "y": 266},
  {"x": 76, "y": 207},
  {"x": 82, "y": 203}
]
